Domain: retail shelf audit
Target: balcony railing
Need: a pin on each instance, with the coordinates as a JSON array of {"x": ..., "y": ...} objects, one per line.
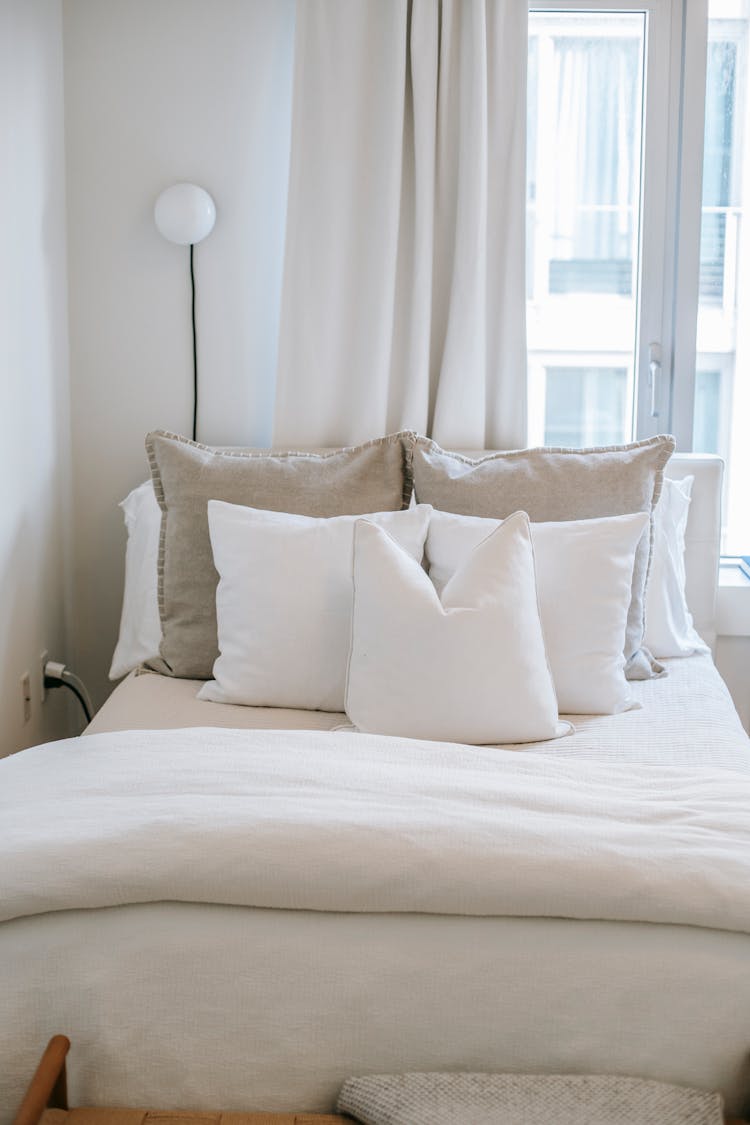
[
  {"x": 551, "y": 275},
  {"x": 720, "y": 242}
]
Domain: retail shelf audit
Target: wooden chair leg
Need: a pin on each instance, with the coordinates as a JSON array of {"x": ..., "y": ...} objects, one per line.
[{"x": 49, "y": 1086}]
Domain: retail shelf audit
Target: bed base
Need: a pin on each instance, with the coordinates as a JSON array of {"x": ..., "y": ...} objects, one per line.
[{"x": 46, "y": 1103}]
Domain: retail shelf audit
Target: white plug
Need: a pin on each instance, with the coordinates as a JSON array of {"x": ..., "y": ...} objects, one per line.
[{"x": 53, "y": 670}]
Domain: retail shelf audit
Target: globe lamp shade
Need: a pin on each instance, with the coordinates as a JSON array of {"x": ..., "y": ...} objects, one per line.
[{"x": 185, "y": 213}]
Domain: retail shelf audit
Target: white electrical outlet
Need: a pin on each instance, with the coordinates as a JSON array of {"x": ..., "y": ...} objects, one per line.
[
  {"x": 43, "y": 658},
  {"x": 26, "y": 696}
]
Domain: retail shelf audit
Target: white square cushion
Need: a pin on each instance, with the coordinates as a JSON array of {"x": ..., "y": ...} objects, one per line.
[
  {"x": 284, "y": 602},
  {"x": 465, "y": 666},
  {"x": 584, "y": 574},
  {"x": 140, "y": 627},
  {"x": 669, "y": 624}
]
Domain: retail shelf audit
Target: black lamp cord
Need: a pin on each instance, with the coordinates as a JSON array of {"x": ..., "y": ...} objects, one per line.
[{"x": 195, "y": 347}]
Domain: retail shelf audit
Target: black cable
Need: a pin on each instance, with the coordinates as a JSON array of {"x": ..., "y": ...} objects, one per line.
[
  {"x": 81, "y": 700},
  {"x": 65, "y": 680},
  {"x": 57, "y": 675},
  {"x": 195, "y": 349}
]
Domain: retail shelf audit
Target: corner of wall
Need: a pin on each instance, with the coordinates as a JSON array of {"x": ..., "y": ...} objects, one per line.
[{"x": 35, "y": 495}]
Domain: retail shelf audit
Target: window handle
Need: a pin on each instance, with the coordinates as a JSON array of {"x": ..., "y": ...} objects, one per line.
[{"x": 654, "y": 377}]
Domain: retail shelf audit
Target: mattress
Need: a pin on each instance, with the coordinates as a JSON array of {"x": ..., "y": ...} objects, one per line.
[{"x": 685, "y": 717}]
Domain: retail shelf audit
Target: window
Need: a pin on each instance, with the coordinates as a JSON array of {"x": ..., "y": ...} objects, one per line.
[
  {"x": 624, "y": 255},
  {"x": 583, "y": 208},
  {"x": 722, "y": 391}
]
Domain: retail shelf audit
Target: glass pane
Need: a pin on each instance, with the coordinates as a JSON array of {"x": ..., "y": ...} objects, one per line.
[
  {"x": 583, "y": 208},
  {"x": 706, "y": 427},
  {"x": 722, "y": 389},
  {"x": 585, "y": 405}
]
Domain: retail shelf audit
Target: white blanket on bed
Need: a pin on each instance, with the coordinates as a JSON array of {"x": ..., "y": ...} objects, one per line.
[{"x": 337, "y": 821}]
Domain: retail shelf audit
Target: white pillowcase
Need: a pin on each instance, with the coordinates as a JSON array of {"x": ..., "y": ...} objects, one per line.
[
  {"x": 669, "y": 623},
  {"x": 584, "y": 572},
  {"x": 465, "y": 666},
  {"x": 284, "y": 602},
  {"x": 140, "y": 627}
]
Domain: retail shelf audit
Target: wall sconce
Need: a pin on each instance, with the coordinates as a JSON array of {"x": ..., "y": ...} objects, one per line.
[{"x": 185, "y": 214}]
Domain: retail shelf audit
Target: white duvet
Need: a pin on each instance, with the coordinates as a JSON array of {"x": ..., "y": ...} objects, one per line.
[{"x": 337, "y": 821}]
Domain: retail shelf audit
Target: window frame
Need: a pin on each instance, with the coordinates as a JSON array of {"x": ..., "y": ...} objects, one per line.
[
  {"x": 670, "y": 206},
  {"x": 687, "y": 218}
]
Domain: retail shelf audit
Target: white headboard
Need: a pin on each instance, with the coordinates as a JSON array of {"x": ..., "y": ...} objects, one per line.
[{"x": 703, "y": 536}]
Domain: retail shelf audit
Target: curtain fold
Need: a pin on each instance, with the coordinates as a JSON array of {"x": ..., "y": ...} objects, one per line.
[{"x": 403, "y": 301}]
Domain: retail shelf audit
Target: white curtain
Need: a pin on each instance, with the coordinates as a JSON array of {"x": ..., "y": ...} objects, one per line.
[
  {"x": 403, "y": 299},
  {"x": 596, "y": 147}
]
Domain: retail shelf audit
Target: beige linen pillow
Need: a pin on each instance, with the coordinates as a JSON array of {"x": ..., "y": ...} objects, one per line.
[
  {"x": 352, "y": 481},
  {"x": 556, "y": 484}
]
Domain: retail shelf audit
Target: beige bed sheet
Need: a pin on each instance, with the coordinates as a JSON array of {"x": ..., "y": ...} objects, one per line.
[
  {"x": 148, "y": 701},
  {"x": 685, "y": 718}
]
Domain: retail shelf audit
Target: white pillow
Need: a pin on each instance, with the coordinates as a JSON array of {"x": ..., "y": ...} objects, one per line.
[
  {"x": 584, "y": 574},
  {"x": 465, "y": 666},
  {"x": 284, "y": 602},
  {"x": 669, "y": 623},
  {"x": 140, "y": 627}
]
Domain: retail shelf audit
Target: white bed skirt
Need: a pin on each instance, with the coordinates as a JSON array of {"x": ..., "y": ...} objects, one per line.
[{"x": 196, "y": 1006}]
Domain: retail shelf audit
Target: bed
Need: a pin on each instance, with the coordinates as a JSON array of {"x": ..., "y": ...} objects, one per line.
[{"x": 419, "y": 932}]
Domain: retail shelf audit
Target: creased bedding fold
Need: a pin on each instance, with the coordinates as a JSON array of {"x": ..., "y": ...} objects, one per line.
[{"x": 314, "y": 820}]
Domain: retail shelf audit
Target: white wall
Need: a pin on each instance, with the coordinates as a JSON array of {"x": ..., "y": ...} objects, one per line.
[
  {"x": 34, "y": 415},
  {"x": 733, "y": 661},
  {"x": 158, "y": 91}
]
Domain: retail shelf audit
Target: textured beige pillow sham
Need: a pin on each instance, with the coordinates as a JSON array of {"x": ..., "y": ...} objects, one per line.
[
  {"x": 555, "y": 484},
  {"x": 353, "y": 481}
]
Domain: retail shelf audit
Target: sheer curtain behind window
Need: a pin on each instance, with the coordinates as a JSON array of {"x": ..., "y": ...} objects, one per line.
[
  {"x": 594, "y": 146},
  {"x": 403, "y": 297}
]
